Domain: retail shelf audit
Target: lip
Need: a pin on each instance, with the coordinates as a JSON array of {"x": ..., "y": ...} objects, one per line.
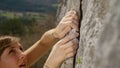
[{"x": 23, "y": 65}]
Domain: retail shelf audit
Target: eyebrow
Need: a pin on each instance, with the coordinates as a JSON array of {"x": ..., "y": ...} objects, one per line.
[
  {"x": 3, "y": 49},
  {"x": 12, "y": 47},
  {"x": 21, "y": 48}
]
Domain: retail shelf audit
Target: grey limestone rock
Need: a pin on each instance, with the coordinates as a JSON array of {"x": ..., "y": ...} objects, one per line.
[{"x": 99, "y": 44}]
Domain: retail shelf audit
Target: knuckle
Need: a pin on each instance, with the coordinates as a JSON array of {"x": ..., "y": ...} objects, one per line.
[
  {"x": 68, "y": 28},
  {"x": 62, "y": 48},
  {"x": 72, "y": 54},
  {"x": 72, "y": 49},
  {"x": 71, "y": 42},
  {"x": 69, "y": 37}
]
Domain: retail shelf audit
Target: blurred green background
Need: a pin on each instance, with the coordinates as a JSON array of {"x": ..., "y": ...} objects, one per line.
[{"x": 27, "y": 19}]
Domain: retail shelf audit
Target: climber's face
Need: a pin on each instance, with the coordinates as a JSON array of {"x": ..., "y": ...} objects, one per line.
[{"x": 13, "y": 57}]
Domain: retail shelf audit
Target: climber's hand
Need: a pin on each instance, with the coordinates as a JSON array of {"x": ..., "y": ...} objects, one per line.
[
  {"x": 68, "y": 22},
  {"x": 63, "y": 49}
]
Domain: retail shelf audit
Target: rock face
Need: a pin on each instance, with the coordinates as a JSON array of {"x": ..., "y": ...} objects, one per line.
[
  {"x": 65, "y": 6},
  {"x": 99, "y": 44}
]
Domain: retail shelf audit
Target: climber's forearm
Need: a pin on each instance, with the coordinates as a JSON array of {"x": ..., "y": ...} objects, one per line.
[
  {"x": 41, "y": 47},
  {"x": 51, "y": 66},
  {"x": 68, "y": 22}
]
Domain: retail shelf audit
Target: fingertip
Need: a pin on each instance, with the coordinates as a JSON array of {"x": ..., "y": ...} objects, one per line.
[{"x": 72, "y": 12}]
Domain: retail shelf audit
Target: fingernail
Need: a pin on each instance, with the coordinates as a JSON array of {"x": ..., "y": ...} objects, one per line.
[{"x": 73, "y": 11}]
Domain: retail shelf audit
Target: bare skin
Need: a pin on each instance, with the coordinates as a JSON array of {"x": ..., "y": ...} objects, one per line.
[
  {"x": 47, "y": 40},
  {"x": 13, "y": 57},
  {"x": 63, "y": 49}
]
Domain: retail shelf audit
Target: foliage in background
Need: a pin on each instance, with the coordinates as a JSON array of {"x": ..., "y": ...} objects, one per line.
[
  {"x": 28, "y": 19},
  {"x": 29, "y": 26},
  {"x": 12, "y": 26},
  {"x": 15, "y": 25}
]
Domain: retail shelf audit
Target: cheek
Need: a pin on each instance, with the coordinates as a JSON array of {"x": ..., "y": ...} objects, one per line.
[
  {"x": 13, "y": 59},
  {"x": 9, "y": 62}
]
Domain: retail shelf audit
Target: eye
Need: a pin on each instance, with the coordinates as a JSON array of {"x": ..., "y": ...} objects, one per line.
[
  {"x": 21, "y": 48},
  {"x": 11, "y": 51}
]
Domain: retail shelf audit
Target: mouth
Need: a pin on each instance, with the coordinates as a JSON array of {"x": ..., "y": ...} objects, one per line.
[{"x": 23, "y": 65}]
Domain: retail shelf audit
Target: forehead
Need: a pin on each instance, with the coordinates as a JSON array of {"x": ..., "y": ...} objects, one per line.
[
  {"x": 15, "y": 45},
  {"x": 7, "y": 49},
  {"x": 6, "y": 41}
]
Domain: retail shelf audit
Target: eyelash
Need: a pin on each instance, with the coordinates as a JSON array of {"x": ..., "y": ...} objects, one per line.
[
  {"x": 21, "y": 48},
  {"x": 11, "y": 51}
]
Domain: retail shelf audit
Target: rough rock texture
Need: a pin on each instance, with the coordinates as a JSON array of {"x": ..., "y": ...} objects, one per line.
[
  {"x": 65, "y": 6},
  {"x": 99, "y": 44},
  {"x": 94, "y": 13},
  {"x": 107, "y": 51}
]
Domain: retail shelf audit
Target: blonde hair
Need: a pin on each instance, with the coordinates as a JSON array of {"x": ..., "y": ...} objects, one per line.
[{"x": 6, "y": 41}]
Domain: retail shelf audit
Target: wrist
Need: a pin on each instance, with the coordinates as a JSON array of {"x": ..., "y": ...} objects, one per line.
[
  {"x": 55, "y": 34},
  {"x": 46, "y": 66},
  {"x": 50, "y": 65}
]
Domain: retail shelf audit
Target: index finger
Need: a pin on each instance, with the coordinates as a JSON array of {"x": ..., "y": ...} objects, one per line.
[{"x": 68, "y": 38}]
